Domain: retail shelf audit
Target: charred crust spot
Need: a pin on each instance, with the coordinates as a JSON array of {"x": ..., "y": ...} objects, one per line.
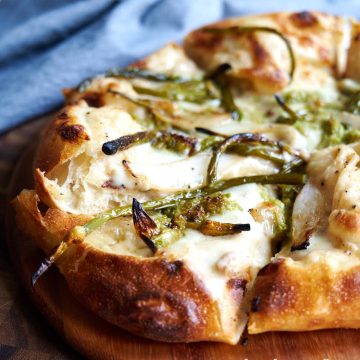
[
  {"x": 72, "y": 133},
  {"x": 93, "y": 99},
  {"x": 357, "y": 37},
  {"x": 255, "y": 304},
  {"x": 304, "y": 19},
  {"x": 173, "y": 267}
]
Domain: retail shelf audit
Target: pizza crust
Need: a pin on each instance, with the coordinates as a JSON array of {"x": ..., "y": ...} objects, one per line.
[{"x": 306, "y": 295}]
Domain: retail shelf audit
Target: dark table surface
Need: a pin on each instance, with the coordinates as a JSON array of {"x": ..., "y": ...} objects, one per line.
[{"x": 24, "y": 333}]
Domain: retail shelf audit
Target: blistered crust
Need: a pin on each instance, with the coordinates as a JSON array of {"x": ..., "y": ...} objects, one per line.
[
  {"x": 155, "y": 297},
  {"x": 262, "y": 60},
  {"x": 296, "y": 296}
]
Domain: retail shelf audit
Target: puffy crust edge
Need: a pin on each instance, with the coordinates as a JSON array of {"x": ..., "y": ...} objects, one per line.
[
  {"x": 158, "y": 298},
  {"x": 296, "y": 296},
  {"x": 59, "y": 140}
]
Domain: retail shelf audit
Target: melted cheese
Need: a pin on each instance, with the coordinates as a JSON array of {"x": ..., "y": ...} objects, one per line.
[
  {"x": 189, "y": 173},
  {"x": 214, "y": 260}
]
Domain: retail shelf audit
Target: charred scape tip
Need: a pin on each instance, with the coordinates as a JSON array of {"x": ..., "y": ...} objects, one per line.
[
  {"x": 215, "y": 228},
  {"x": 127, "y": 141},
  {"x": 109, "y": 148},
  {"x": 241, "y": 227},
  {"x": 144, "y": 225}
]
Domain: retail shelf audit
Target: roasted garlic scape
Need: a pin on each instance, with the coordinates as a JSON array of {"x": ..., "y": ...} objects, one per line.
[
  {"x": 227, "y": 99},
  {"x": 171, "y": 140},
  {"x": 131, "y": 73},
  {"x": 238, "y": 139}
]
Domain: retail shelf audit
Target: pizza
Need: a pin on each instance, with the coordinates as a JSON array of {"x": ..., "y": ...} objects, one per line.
[{"x": 211, "y": 186}]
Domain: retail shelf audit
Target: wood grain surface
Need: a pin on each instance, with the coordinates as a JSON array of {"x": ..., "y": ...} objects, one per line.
[{"x": 97, "y": 339}]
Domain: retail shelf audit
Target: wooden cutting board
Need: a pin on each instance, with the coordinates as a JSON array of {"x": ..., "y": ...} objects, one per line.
[{"x": 97, "y": 339}]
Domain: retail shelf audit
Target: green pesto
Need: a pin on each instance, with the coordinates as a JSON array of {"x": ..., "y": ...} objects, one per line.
[
  {"x": 300, "y": 96},
  {"x": 177, "y": 143},
  {"x": 334, "y": 133},
  {"x": 351, "y": 135},
  {"x": 168, "y": 234},
  {"x": 173, "y": 222},
  {"x": 312, "y": 100},
  {"x": 199, "y": 209},
  {"x": 321, "y": 119}
]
